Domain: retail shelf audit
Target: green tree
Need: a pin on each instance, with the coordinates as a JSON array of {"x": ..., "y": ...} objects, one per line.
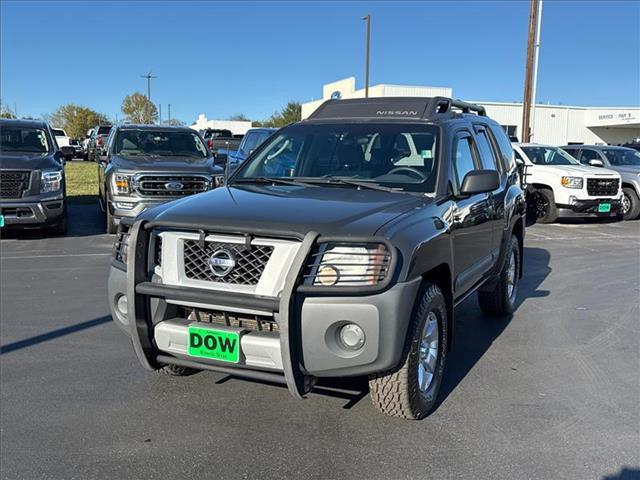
[
  {"x": 76, "y": 119},
  {"x": 239, "y": 117},
  {"x": 138, "y": 109},
  {"x": 5, "y": 112},
  {"x": 291, "y": 113}
]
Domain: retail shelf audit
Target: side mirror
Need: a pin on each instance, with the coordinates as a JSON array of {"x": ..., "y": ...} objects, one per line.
[
  {"x": 594, "y": 162},
  {"x": 68, "y": 151},
  {"x": 480, "y": 181},
  {"x": 220, "y": 159}
]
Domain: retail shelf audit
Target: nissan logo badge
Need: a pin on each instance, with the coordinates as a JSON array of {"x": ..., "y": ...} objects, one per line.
[{"x": 221, "y": 262}]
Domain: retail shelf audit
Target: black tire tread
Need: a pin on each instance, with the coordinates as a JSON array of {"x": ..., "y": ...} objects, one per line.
[
  {"x": 389, "y": 391},
  {"x": 552, "y": 212},
  {"x": 495, "y": 302},
  {"x": 634, "y": 211}
]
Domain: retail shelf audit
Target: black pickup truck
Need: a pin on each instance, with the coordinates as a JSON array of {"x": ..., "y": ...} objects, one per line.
[{"x": 340, "y": 247}]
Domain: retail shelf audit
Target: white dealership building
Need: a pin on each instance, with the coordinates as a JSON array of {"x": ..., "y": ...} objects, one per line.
[{"x": 552, "y": 124}]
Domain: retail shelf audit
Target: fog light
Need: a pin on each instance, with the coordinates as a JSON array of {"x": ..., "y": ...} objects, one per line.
[
  {"x": 327, "y": 275},
  {"x": 122, "y": 305},
  {"x": 351, "y": 336}
]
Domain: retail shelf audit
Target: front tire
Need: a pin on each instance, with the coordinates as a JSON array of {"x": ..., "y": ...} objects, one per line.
[
  {"x": 112, "y": 226},
  {"x": 630, "y": 204},
  {"x": 544, "y": 206},
  {"x": 411, "y": 390},
  {"x": 502, "y": 300}
]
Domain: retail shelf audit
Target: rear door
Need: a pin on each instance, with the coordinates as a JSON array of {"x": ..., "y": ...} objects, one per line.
[
  {"x": 491, "y": 160},
  {"x": 472, "y": 218}
]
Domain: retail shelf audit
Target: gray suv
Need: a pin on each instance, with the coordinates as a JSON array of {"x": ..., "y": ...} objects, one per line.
[
  {"x": 146, "y": 165},
  {"x": 625, "y": 161},
  {"x": 32, "y": 183},
  {"x": 338, "y": 248}
]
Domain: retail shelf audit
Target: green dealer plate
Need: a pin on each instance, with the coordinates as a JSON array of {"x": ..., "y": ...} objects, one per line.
[
  {"x": 215, "y": 344},
  {"x": 604, "y": 208}
]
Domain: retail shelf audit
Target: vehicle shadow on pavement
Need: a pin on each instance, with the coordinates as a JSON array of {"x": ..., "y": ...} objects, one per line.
[
  {"x": 60, "y": 332},
  {"x": 474, "y": 333},
  {"x": 84, "y": 219}
]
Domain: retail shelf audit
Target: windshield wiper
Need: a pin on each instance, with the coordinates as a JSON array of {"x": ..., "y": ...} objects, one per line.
[
  {"x": 273, "y": 180},
  {"x": 329, "y": 180}
]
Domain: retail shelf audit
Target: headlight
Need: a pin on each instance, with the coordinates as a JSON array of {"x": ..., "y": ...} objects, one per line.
[
  {"x": 121, "y": 244},
  {"x": 121, "y": 183},
  {"x": 50, "y": 181},
  {"x": 571, "y": 182},
  {"x": 347, "y": 265}
]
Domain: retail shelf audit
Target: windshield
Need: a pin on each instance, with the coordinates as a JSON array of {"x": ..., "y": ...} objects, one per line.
[
  {"x": 549, "y": 156},
  {"x": 168, "y": 143},
  {"x": 393, "y": 155},
  {"x": 23, "y": 139},
  {"x": 621, "y": 157}
]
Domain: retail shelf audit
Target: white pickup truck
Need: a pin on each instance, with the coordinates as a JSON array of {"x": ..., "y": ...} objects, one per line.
[
  {"x": 63, "y": 140},
  {"x": 557, "y": 185}
]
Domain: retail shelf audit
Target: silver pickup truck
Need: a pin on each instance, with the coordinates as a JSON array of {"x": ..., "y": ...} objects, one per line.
[{"x": 146, "y": 165}]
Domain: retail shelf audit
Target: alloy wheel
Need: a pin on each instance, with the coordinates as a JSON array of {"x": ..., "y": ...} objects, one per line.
[{"x": 428, "y": 355}]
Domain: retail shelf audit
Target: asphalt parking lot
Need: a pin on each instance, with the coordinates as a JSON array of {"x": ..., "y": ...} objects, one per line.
[{"x": 553, "y": 392}]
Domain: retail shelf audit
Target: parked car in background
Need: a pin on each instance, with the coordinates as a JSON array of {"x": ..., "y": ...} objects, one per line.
[
  {"x": 145, "y": 165},
  {"x": 332, "y": 251},
  {"x": 558, "y": 186},
  {"x": 32, "y": 183},
  {"x": 219, "y": 138},
  {"x": 252, "y": 140},
  {"x": 97, "y": 142},
  {"x": 85, "y": 145},
  {"x": 77, "y": 148},
  {"x": 63, "y": 140},
  {"x": 625, "y": 161}
]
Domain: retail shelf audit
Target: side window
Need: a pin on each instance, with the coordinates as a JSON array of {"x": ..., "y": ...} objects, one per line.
[
  {"x": 572, "y": 151},
  {"x": 487, "y": 154},
  {"x": 504, "y": 145},
  {"x": 586, "y": 155},
  {"x": 463, "y": 162},
  {"x": 250, "y": 143}
]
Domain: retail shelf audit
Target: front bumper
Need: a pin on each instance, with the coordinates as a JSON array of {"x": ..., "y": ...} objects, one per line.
[
  {"x": 35, "y": 213},
  {"x": 304, "y": 348},
  {"x": 590, "y": 208}
]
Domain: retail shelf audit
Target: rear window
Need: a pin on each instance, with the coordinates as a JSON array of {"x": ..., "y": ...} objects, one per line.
[
  {"x": 504, "y": 144},
  {"x": 104, "y": 130},
  {"x": 23, "y": 139},
  {"x": 58, "y": 133}
]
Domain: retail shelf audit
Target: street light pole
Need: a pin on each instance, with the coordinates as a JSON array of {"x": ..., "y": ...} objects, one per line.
[
  {"x": 148, "y": 76},
  {"x": 367, "y": 18}
]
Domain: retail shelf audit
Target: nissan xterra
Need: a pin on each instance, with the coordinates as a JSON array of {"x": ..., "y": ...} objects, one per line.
[{"x": 338, "y": 248}]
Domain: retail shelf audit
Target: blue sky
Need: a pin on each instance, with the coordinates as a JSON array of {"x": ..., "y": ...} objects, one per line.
[{"x": 224, "y": 58}]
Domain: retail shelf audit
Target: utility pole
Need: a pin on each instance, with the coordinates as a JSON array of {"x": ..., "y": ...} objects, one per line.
[
  {"x": 169, "y": 114},
  {"x": 526, "y": 103},
  {"x": 534, "y": 88},
  {"x": 367, "y": 18},
  {"x": 148, "y": 76}
]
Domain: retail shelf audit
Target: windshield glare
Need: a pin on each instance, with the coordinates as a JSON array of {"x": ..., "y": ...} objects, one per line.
[
  {"x": 549, "y": 156},
  {"x": 23, "y": 139},
  {"x": 621, "y": 158},
  {"x": 147, "y": 142},
  {"x": 394, "y": 155}
]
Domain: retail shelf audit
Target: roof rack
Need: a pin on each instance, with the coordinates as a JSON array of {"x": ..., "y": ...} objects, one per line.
[
  {"x": 410, "y": 108},
  {"x": 441, "y": 105}
]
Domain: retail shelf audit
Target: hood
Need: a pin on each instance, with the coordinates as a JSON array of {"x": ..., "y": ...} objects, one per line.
[
  {"x": 166, "y": 164},
  {"x": 27, "y": 161},
  {"x": 287, "y": 210},
  {"x": 627, "y": 170},
  {"x": 576, "y": 170}
]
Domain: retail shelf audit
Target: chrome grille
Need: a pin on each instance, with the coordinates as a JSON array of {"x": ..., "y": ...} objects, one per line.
[
  {"x": 13, "y": 184},
  {"x": 249, "y": 263},
  {"x": 170, "y": 185},
  {"x": 602, "y": 187}
]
